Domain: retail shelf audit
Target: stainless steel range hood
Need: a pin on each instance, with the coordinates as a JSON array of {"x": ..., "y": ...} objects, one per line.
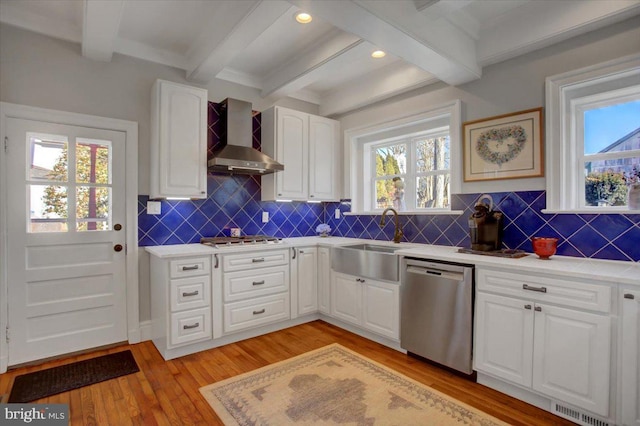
[{"x": 238, "y": 156}]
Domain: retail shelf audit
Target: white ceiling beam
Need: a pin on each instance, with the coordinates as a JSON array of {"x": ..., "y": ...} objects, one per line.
[
  {"x": 394, "y": 79},
  {"x": 100, "y": 28},
  {"x": 397, "y": 27},
  {"x": 214, "y": 54},
  {"x": 508, "y": 38},
  {"x": 310, "y": 66},
  {"x": 12, "y": 13}
]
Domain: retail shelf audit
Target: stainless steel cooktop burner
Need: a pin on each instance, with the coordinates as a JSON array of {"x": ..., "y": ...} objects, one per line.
[{"x": 246, "y": 240}]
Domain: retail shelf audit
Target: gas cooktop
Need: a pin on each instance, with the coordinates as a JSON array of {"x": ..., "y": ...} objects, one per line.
[{"x": 244, "y": 241}]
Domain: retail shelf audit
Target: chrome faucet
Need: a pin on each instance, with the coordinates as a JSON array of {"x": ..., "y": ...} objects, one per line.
[{"x": 397, "y": 233}]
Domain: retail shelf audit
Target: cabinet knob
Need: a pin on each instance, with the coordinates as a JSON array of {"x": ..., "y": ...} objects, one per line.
[
  {"x": 527, "y": 306},
  {"x": 537, "y": 309}
]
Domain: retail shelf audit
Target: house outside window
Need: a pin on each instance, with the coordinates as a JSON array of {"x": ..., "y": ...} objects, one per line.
[{"x": 593, "y": 137}]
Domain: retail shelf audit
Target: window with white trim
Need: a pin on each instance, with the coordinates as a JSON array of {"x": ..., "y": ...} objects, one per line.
[
  {"x": 593, "y": 138},
  {"x": 410, "y": 163},
  {"x": 411, "y": 172}
]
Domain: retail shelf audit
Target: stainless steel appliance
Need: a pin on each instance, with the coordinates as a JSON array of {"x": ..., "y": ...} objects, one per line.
[
  {"x": 436, "y": 319},
  {"x": 237, "y": 155},
  {"x": 243, "y": 241}
]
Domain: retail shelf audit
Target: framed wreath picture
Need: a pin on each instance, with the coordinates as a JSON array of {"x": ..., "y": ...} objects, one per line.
[{"x": 504, "y": 147}]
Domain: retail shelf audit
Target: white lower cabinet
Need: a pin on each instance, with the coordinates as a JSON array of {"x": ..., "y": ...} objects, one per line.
[
  {"x": 371, "y": 304},
  {"x": 180, "y": 301},
  {"x": 255, "y": 289},
  {"x": 324, "y": 280},
  {"x": 561, "y": 352},
  {"x": 629, "y": 372},
  {"x": 307, "y": 275}
]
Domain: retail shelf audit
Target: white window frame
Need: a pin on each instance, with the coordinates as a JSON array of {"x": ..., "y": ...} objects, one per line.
[
  {"x": 411, "y": 174},
  {"x": 357, "y": 171},
  {"x": 568, "y": 95}
]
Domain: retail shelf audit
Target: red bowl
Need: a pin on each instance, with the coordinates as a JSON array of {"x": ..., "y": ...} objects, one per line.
[{"x": 544, "y": 247}]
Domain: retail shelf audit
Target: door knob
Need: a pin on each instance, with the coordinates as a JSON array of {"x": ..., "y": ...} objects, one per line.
[{"x": 118, "y": 247}]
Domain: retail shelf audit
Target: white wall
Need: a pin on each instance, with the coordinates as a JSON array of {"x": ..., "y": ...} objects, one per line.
[{"x": 510, "y": 86}]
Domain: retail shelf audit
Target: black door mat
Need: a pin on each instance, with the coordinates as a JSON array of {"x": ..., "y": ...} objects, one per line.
[{"x": 41, "y": 384}]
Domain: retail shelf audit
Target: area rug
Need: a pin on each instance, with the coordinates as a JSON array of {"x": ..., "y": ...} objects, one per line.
[
  {"x": 334, "y": 385},
  {"x": 41, "y": 384}
]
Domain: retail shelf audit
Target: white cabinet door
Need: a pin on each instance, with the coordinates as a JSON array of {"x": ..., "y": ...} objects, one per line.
[
  {"x": 292, "y": 150},
  {"x": 178, "y": 141},
  {"x": 504, "y": 337},
  {"x": 571, "y": 357},
  {"x": 630, "y": 355},
  {"x": 323, "y": 158},
  {"x": 307, "y": 280},
  {"x": 381, "y": 307},
  {"x": 324, "y": 280},
  {"x": 346, "y": 298}
]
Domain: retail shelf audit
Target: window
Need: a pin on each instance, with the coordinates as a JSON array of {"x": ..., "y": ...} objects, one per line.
[
  {"x": 411, "y": 173},
  {"x": 406, "y": 163},
  {"x": 593, "y": 138},
  {"x": 53, "y": 189}
]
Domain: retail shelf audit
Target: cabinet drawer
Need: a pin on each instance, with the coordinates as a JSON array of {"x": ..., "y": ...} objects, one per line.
[
  {"x": 252, "y": 283},
  {"x": 190, "y": 293},
  {"x": 238, "y": 262},
  {"x": 189, "y": 326},
  {"x": 189, "y": 267},
  {"x": 549, "y": 290},
  {"x": 255, "y": 312}
]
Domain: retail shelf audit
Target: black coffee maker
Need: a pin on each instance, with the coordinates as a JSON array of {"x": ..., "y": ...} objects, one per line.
[{"x": 485, "y": 226}]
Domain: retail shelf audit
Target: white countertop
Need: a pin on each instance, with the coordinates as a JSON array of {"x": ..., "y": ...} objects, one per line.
[{"x": 610, "y": 271}]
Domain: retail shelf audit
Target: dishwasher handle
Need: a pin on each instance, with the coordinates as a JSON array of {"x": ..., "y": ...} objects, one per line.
[{"x": 454, "y": 276}]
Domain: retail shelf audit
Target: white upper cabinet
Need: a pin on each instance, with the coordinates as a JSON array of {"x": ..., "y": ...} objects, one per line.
[
  {"x": 178, "y": 141},
  {"x": 308, "y": 146}
]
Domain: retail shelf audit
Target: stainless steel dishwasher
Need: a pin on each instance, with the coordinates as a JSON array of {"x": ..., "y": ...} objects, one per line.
[{"x": 436, "y": 320}]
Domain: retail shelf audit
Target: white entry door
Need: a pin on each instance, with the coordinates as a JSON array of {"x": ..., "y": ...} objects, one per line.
[{"x": 66, "y": 239}]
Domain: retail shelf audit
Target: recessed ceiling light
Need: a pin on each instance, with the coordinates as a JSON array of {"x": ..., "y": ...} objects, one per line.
[
  {"x": 303, "y": 18},
  {"x": 378, "y": 54}
]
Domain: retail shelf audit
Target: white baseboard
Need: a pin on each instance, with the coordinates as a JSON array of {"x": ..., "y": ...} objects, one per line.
[{"x": 144, "y": 331}]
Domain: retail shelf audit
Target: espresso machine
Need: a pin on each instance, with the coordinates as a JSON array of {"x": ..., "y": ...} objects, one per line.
[{"x": 485, "y": 226}]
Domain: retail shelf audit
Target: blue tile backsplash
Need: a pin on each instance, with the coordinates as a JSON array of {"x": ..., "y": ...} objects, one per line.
[
  {"x": 601, "y": 236},
  {"x": 234, "y": 201}
]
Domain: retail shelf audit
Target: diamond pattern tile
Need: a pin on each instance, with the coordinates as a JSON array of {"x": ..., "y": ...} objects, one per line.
[{"x": 234, "y": 201}]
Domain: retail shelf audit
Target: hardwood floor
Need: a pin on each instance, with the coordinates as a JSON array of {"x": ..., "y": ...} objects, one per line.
[{"x": 166, "y": 392}]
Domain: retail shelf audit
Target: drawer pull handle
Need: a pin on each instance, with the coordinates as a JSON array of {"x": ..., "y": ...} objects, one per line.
[
  {"x": 537, "y": 309},
  {"x": 257, "y": 260},
  {"x": 261, "y": 311},
  {"x": 258, "y": 282},
  {"x": 629, "y": 296},
  {"x": 527, "y": 306},
  {"x": 538, "y": 289},
  {"x": 215, "y": 256},
  {"x": 294, "y": 253},
  {"x": 190, "y": 268},
  {"x": 189, "y": 327},
  {"x": 193, "y": 293}
]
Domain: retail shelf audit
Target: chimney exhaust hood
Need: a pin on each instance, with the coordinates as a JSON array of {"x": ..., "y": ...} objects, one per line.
[{"x": 238, "y": 156}]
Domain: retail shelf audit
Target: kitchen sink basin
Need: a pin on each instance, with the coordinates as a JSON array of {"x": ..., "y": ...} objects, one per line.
[
  {"x": 374, "y": 261},
  {"x": 373, "y": 247}
]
